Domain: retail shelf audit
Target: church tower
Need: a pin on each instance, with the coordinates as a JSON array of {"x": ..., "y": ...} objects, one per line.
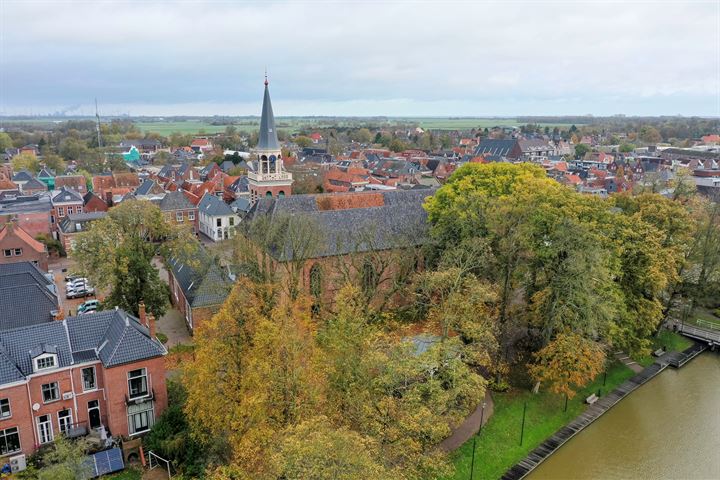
[{"x": 269, "y": 178}]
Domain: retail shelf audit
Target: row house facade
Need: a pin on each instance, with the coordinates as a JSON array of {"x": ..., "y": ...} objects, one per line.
[
  {"x": 101, "y": 372},
  {"x": 65, "y": 202}
]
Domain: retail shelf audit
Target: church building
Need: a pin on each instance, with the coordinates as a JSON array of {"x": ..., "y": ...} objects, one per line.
[{"x": 269, "y": 178}]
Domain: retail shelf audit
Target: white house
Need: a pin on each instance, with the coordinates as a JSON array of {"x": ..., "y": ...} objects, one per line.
[{"x": 217, "y": 219}]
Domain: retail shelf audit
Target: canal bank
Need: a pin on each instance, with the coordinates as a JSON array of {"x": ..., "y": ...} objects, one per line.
[{"x": 667, "y": 429}]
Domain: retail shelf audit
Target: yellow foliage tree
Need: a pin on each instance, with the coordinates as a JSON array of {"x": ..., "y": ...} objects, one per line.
[{"x": 568, "y": 363}]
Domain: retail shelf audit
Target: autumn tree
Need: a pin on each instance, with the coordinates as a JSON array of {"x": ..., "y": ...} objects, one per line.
[
  {"x": 317, "y": 448},
  {"x": 568, "y": 363}
]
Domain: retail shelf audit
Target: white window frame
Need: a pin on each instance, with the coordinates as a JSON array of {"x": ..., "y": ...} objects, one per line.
[
  {"x": 61, "y": 211},
  {"x": 70, "y": 210},
  {"x": 148, "y": 415},
  {"x": 191, "y": 216},
  {"x": 179, "y": 217},
  {"x": 3, "y": 438},
  {"x": 94, "y": 376},
  {"x": 56, "y": 390},
  {"x": 65, "y": 421},
  {"x": 8, "y": 252},
  {"x": 143, "y": 374},
  {"x": 47, "y": 356},
  {"x": 5, "y": 410},
  {"x": 18, "y": 252},
  {"x": 48, "y": 435}
]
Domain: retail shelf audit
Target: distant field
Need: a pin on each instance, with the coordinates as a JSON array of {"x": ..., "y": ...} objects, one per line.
[{"x": 295, "y": 124}]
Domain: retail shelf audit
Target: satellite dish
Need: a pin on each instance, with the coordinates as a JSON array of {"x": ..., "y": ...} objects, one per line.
[{"x": 36, "y": 407}]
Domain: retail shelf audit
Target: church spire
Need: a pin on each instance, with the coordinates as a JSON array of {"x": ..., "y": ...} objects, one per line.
[{"x": 267, "y": 139}]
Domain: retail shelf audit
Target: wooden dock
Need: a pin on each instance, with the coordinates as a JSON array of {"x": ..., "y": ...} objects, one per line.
[{"x": 593, "y": 412}]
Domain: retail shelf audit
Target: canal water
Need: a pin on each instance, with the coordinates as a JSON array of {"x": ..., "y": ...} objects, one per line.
[{"x": 667, "y": 429}]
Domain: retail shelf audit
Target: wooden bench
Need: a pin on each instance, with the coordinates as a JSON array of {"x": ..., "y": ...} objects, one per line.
[{"x": 592, "y": 399}]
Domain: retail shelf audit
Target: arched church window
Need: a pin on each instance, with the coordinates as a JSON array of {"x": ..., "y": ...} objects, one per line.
[
  {"x": 315, "y": 281},
  {"x": 281, "y": 193},
  {"x": 369, "y": 278},
  {"x": 268, "y": 194}
]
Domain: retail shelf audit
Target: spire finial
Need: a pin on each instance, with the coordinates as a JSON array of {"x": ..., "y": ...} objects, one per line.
[{"x": 266, "y": 80}]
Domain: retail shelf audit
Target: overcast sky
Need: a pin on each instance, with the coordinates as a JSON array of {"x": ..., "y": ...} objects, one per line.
[{"x": 465, "y": 58}]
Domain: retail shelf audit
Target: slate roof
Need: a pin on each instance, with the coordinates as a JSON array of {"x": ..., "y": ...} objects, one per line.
[
  {"x": 242, "y": 204},
  {"x": 213, "y": 206},
  {"x": 46, "y": 173},
  {"x": 23, "y": 305},
  {"x": 175, "y": 201},
  {"x": 267, "y": 138},
  {"x": 64, "y": 196},
  {"x": 205, "y": 283},
  {"x": 497, "y": 147},
  {"x": 34, "y": 184},
  {"x": 113, "y": 337},
  {"x": 400, "y": 222},
  {"x": 70, "y": 222},
  {"x": 242, "y": 184},
  {"x": 22, "y": 176}
]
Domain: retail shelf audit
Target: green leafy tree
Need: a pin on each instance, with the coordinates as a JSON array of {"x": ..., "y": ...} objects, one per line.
[
  {"x": 117, "y": 252},
  {"x": 66, "y": 460},
  {"x": 25, "y": 161},
  {"x": 5, "y": 141},
  {"x": 581, "y": 150}
]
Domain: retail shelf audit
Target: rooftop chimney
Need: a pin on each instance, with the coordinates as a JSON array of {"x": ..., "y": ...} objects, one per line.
[
  {"x": 141, "y": 313},
  {"x": 151, "y": 325}
]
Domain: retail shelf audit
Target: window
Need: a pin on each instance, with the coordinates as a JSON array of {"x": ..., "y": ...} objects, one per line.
[
  {"x": 137, "y": 383},
  {"x": 70, "y": 210},
  {"x": 44, "y": 362},
  {"x": 9, "y": 441},
  {"x": 88, "y": 378},
  {"x": 218, "y": 222},
  {"x": 50, "y": 392},
  {"x": 315, "y": 281},
  {"x": 369, "y": 279},
  {"x": 79, "y": 209},
  {"x": 5, "y": 408},
  {"x": 179, "y": 216},
  {"x": 191, "y": 215},
  {"x": 45, "y": 431},
  {"x": 65, "y": 421},
  {"x": 219, "y": 233},
  {"x": 18, "y": 252},
  {"x": 140, "y": 417},
  {"x": 61, "y": 211},
  {"x": 232, "y": 221},
  {"x": 8, "y": 252}
]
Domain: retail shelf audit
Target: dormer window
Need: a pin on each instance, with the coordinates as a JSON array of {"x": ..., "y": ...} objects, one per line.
[{"x": 45, "y": 362}]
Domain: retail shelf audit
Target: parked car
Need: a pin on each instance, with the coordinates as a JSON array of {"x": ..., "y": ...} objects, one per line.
[
  {"x": 76, "y": 281},
  {"x": 79, "y": 291},
  {"x": 70, "y": 278},
  {"x": 89, "y": 306}
]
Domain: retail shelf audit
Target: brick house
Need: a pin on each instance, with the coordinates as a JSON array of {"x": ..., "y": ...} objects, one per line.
[
  {"x": 32, "y": 213},
  {"x": 93, "y": 203},
  {"x": 179, "y": 210},
  {"x": 65, "y": 202},
  {"x": 76, "y": 183},
  {"x": 101, "y": 372},
  {"x": 16, "y": 245},
  {"x": 112, "y": 187},
  {"x": 198, "y": 289},
  {"x": 70, "y": 226}
]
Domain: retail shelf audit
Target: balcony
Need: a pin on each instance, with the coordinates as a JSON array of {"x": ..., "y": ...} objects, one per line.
[
  {"x": 145, "y": 397},
  {"x": 270, "y": 177}
]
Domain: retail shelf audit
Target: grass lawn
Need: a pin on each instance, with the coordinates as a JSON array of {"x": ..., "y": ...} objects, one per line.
[
  {"x": 702, "y": 316},
  {"x": 673, "y": 342},
  {"x": 498, "y": 446},
  {"x": 127, "y": 474}
]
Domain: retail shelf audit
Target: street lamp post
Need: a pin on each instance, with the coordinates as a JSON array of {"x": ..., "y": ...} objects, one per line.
[{"x": 522, "y": 428}]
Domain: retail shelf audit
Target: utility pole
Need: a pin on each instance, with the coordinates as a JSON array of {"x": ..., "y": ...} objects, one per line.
[{"x": 97, "y": 123}]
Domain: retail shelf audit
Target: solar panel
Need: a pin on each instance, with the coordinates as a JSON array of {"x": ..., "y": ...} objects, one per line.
[{"x": 107, "y": 461}]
